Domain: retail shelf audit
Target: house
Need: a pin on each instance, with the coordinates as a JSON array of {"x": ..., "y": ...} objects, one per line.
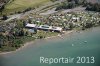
[
  {"x": 30, "y": 25},
  {"x": 75, "y": 18},
  {"x": 57, "y": 29},
  {"x": 32, "y": 31},
  {"x": 44, "y": 27}
]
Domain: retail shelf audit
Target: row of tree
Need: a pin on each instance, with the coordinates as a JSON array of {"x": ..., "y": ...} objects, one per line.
[
  {"x": 70, "y": 4},
  {"x": 93, "y": 7},
  {"x": 3, "y": 2},
  {"x": 74, "y": 3},
  {"x": 65, "y": 5},
  {"x": 53, "y": 0}
]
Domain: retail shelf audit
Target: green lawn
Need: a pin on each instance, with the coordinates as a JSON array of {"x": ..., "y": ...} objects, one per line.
[{"x": 19, "y": 5}]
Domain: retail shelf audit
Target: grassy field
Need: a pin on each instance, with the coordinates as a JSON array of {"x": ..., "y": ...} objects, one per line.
[{"x": 19, "y": 5}]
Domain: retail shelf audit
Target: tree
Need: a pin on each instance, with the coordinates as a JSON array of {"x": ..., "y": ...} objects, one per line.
[
  {"x": 69, "y": 0},
  {"x": 2, "y": 8},
  {"x": 4, "y": 17},
  {"x": 53, "y": 0},
  {"x": 88, "y": 25},
  {"x": 21, "y": 32},
  {"x": 1, "y": 40},
  {"x": 71, "y": 26}
]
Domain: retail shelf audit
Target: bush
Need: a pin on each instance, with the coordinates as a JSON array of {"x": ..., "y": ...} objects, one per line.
[{"x": 4, "y": 17}]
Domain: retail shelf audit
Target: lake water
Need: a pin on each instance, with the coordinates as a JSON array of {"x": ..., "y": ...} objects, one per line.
[
  {"x": 86, "y": 43},
  {"x": 94, "y": 1}
]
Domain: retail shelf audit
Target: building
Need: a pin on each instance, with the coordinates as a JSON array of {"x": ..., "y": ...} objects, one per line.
[
  {"x": 30, "y": 26},
  {"x": 44, "y": 27},
  {"x": 57, "y": 29},
  {"x": 50, "y": 28}
]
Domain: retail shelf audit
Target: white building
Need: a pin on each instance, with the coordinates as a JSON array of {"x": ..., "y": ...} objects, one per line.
[
  {"x": 45, "y": 27},
  {"x": 58, "y": 29},
  {"x": 31, "y": 26}
]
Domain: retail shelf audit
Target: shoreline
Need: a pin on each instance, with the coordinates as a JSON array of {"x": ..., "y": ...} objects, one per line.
[{"x": 32, "y": 42}]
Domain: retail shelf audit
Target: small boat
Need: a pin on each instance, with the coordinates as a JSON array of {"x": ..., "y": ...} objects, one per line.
[
  {"x": 72, "y": 44},
  {"x": 85, "y": 41}
]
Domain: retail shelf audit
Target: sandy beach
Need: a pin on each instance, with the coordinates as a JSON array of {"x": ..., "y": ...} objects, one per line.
[{"x": 32, "y": 42}]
